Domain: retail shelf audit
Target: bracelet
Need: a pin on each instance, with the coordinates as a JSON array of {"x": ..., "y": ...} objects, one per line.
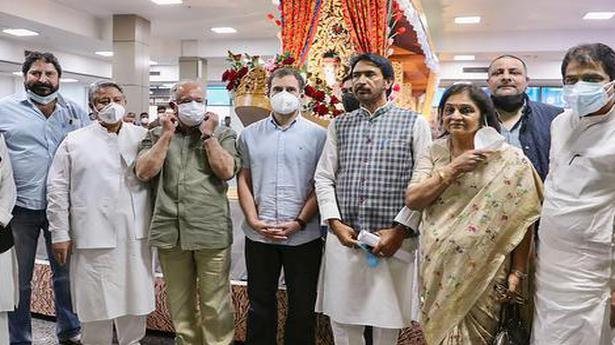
[
  {"x": 205, "y": 137},
  {"x": 519, "y": 274},
  {"x": 444, "y": 178},
  {"x": 301, "y": 222}
]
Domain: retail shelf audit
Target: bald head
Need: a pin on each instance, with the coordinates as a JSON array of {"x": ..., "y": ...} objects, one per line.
[{"x": 187, "y": 91}]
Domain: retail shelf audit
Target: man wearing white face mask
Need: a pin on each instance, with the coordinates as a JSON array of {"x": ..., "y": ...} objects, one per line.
[
  {"x": 99, "y": 216},
  {"x": 281, "y": 227},
  {"x": 575, "y": 273},
  {"x": 33, "y": 125},
  {"x": 189, "y": 158}
]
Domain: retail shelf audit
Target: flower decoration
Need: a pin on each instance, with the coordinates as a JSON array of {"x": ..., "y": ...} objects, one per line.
[
  {"x": 240, "y": 65},
  {"x": 396, "y": 26},
  {"x": 279, "y": 61},
  {"x": 322, "y": 102}
]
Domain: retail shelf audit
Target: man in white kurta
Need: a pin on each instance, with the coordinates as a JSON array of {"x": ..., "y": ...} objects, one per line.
[
  {"x": 360, "y": 182},
  {"x": 575, "y": 250},
  {"x": 100, "y": 211},
  {"x": 9, "y": 293}
]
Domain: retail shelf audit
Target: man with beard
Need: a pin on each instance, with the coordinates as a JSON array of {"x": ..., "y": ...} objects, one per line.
[
  {"x": 33, "y": 126},
  {"x": 525, "y": 124}
]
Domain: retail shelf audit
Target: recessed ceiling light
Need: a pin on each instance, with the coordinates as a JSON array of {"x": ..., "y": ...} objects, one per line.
[
  {"x": 224, "y": 30},
  {"x": 68, "y": 80},
  {"x": 104, "y": 53},
  {"x": 467, "y": 20},
  {"x": 598, "y": 15},
  {"x": 18, "y": 73},
  {"x": 464, "y": 58},
  {"x": 152, "y": 62},
  {"x": 20, "y": 32},
  {"x": 167, "y": 2}
]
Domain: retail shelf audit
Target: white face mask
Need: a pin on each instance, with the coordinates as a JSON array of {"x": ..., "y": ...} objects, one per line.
[
  {"x": 44, "y": 100},
  {"x": 191, "y": 114},
  {"x": 586, "y": 98},
  {"x": 112, "y": 113},
  {"x": 285, "y": 103}
]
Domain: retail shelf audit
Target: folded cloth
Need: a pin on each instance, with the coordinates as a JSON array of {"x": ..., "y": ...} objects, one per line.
[{"x": 6, "y": 239}]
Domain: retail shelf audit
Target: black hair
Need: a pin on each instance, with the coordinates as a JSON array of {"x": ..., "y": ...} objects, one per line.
[
  {"x": 384, "y": 64},
  {"x": 507, "y": 56},
  {"x": 597, "y": 53},
  {"x": 34, "y": 56},
  {"x": 284, "y": 72},
  {"x": 161, "y": 107},
  {"x": 479, "y": 97},
  {"x": 144, "y": 113}
]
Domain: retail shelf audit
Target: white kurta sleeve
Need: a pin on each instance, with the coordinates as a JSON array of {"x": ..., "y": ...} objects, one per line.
[
  {"x": 421, "y": 140},
  {"x": 324, "y": 177},
  {"x": 58, "y": 189},
  {"x": 8, "y": 192}
]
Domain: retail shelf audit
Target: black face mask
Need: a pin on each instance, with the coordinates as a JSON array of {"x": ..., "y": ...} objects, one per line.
[
  {"x": 351, "y": 103},
  {"x": 508, "y": 103}
]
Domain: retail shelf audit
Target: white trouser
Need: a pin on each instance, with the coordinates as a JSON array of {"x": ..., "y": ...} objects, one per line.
[
  {"x": 344, "y": 334},
  {"x": 130, "y": 330},
  {"x": 4, "y": 327}
]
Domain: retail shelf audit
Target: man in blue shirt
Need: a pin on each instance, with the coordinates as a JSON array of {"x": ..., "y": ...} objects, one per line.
[
  {"x": 525, "y": 124},
  {"x": 276, "y": 192},
  {"x": 33, "y": 125}
]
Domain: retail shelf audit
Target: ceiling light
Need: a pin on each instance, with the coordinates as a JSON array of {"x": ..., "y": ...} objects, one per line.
[
  {"x": 152, "y": 62},
  {"x": 20, "y": 32},
  {"x": 464, "y": 58},
  {"x": 224, "y": 30},
  {"x": 598, "y": 15},
  {"x": 18, "y": 73},
  {"x": 167, "y": 2},
  {"x": 68, "y": 80},
  {"x": 467, "y": 20},
  {"x": 104, "y": 53}
]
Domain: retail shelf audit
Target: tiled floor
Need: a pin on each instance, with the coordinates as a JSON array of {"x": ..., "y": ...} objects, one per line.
[{"x": 44, "y": 334}]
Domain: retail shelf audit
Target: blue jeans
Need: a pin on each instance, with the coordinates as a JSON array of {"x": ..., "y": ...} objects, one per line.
[{"x": 27, "y": 225}]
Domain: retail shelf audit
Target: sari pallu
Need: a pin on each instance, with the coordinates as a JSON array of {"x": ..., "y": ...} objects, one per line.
[{"x": 467, "y": 236}]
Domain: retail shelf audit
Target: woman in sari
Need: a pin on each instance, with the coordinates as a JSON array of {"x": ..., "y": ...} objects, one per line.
[{"x": 477, "y": 207}]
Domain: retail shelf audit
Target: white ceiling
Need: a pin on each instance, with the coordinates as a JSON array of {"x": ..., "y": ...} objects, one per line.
[
  {"x": 535, "y": 29},
  {"x": 192, "y": 19},
  {"x": 540, "y": 29}
]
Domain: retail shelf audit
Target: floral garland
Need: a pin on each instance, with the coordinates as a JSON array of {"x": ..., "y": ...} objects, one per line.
[
  {"x": 322, "y": 101},
  {"x": 240, "y": 65}
]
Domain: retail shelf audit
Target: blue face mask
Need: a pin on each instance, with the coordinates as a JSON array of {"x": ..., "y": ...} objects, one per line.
[
  {"x": 44, "y": 100},
  {"x": 586, "y": 98}
]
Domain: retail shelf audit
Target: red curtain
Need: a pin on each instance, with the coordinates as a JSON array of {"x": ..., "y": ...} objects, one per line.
[
  {"x": 299, "y": 23},
  {"x": 367, "y": 22}
]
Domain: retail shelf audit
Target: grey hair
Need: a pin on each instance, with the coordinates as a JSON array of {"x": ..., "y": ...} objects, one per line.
[
  {"x": 96, "y": 86},
  {"x": 179, "y": 85}
]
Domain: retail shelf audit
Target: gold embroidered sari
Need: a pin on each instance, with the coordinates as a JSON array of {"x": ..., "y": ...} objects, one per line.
[{"x": 467, "y": 236}]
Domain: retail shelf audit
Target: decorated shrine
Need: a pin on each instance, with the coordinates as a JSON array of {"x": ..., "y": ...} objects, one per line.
[{"x": 320, "y": 36}]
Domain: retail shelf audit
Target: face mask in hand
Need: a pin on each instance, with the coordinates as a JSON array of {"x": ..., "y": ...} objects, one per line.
[
  {"x": 285, "y": 103},
  {"x": 191, "y": 114},
  {"x": 586, "y": 98},
  {"x": 111, "y": 113}
]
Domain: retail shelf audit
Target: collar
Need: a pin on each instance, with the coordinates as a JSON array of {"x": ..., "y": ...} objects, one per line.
[
  {"x": 276, "y": 125},
  {"x": 588, "y": 121},
  {"x": 383, "y": 109}
]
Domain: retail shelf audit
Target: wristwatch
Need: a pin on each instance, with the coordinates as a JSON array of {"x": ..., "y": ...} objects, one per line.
[
  {"x": 406, "y": 229},
  {"x": 301, "y": 222},
  {"x": 204, "y": 136}
]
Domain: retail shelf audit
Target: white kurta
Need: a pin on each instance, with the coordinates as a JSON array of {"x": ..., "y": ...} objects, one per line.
[
  {"x": 9, "y": 292},
  {"x": 92, "y": 189},
  {"x": 349, "y": 291},
  {"x": 575, "y": 249}
]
